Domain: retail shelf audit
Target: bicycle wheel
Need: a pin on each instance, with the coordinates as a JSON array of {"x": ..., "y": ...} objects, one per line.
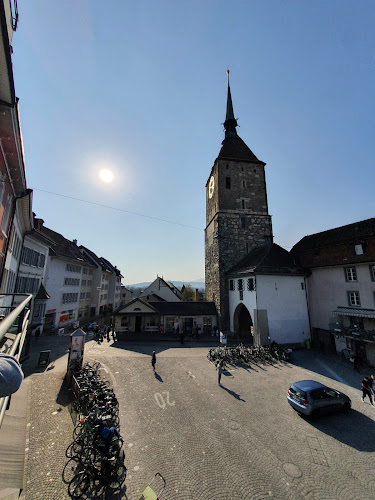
[
  {"x": 117, "y": 476},
  {"x": 70, "y": 470},
  {"x": 81, "y": 485}
]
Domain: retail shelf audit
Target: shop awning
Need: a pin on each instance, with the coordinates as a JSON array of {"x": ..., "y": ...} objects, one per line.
[{"x": 349, "y": 311}]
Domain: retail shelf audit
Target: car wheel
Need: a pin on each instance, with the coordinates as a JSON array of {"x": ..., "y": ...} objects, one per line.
[{"x": 346, "y": 408}]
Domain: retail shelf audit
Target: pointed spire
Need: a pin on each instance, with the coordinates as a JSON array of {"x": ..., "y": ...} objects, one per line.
[{"x": 230, "y": 123}]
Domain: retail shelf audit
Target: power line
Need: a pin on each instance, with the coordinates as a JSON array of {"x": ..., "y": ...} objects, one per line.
[{"x": 118, "y": 209}]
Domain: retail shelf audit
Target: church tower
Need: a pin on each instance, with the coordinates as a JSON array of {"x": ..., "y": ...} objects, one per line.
[{"x": 237, "y": 218}]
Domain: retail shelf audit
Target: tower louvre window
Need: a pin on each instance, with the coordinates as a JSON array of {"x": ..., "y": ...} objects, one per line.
[
  {"x": 231, "y": 285},
  {"x": 240, "y": 285},
  {"x": 227, "y": 182},
  {"x": 243, "y": 203},
  {"x": 243, "y": 222},
  {"x": 251, "y": 284}
]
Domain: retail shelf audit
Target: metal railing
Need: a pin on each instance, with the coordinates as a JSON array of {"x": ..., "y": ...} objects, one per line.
[
  {"x": 13, "y": 330},
  {"x": 356, "y": 333}
]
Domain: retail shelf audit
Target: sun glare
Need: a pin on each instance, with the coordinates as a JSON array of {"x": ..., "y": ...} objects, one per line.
[{"x": 105, "y": 175}]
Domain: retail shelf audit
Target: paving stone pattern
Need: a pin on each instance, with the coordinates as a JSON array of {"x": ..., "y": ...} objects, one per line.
[
  {"x": 241, "y": 441},
  {"x": 236, "y": 442}
]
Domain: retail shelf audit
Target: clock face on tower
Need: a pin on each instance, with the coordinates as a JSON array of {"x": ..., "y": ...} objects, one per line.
[{"x": 211, "y": 187}]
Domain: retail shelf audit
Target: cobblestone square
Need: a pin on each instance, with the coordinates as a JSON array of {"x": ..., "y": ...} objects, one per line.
[{"x": 239, "y": 441}]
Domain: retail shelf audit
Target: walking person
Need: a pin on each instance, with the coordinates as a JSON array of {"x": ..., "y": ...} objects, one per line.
[
  {"x": 220, "y": 370},
  {"x": 367, "y": 389},
  {"x": 372, "y": 380},
  {"x": 153, "y": 360},
  {"x": 108, "y": 330}
]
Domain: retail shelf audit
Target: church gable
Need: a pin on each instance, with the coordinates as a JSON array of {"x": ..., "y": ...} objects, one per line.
[
  {"x": 162, "y": 289},
  {"x": 136, "y": 305}
]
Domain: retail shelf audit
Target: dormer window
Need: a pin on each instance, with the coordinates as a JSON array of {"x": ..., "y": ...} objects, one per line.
[{"x": 358, "y": 249}]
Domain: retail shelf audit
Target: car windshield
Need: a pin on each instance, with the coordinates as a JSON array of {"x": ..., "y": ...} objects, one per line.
[{"x": 297, "y": 392}]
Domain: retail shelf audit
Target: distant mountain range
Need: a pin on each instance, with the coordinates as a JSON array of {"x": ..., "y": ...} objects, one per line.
[{"x": 199, "y": 283}]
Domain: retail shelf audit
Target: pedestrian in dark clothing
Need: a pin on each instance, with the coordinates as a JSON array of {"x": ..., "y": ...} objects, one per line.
[
  {"x": 367, "y": 389},
  {"x": 108, "y": 330},
  {"x": 100, "y": 336},
  {"x": 356, "y": 361},
  {"x": 153, "y": 360},
  {"x": 220, "y": 370}
]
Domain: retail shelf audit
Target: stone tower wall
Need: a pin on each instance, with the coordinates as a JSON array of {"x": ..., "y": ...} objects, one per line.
[{"x": 237, "y": 221}]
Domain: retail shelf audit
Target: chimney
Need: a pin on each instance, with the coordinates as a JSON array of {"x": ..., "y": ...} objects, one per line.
[{"x": 75, "y": 242}]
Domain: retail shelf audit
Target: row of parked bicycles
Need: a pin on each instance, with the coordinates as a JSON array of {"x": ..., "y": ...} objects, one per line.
[
  {"x": 95, "y": 468},
  {"x": 240, "y": 354}
]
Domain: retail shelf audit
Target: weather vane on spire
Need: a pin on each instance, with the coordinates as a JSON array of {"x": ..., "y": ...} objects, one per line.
[{"x": 228, "y": 75}]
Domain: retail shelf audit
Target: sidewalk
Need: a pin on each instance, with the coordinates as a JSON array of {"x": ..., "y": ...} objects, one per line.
[{"x": 28, "y": 424}]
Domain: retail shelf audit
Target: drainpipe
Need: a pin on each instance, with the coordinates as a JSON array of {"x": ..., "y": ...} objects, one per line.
[{"x": 308, "y": 308}]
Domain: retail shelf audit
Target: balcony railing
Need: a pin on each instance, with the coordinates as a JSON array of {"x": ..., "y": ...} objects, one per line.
[
  {"x": 356, "y": 333},
  {"x": 13, "y": 328}
]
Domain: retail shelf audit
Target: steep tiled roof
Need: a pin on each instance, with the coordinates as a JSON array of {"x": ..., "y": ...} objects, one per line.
[
  {"x": 270, "y": 259},
  {"x": 111, "y": 267},
  {"x": 185, "y": 308},
  {"x": 234, "y": 148},
  {"x": 344, "y": 234},
  {"x": 60, "y": 246},
  {"x": 42, "y": 293},
  {"x": 95, "y": 260},
  {"x": 337, "y": 246}
]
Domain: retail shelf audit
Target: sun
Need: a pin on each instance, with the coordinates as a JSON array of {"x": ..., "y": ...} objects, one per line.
[{"x": 106, "y": 175}]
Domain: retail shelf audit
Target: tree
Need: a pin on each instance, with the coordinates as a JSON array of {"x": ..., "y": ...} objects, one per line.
[{"x": 187, "y": 293}]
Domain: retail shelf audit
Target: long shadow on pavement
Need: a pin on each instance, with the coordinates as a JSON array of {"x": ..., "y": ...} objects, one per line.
[
  {"x": 65, "y": 396},
  {"x": 234, "y": 394},
  {"x": 331, "y": 366},
  {"x": 353, "y": 429},
  {"x": 158, "y": 377},
  {"x": 159, "y": 346}
]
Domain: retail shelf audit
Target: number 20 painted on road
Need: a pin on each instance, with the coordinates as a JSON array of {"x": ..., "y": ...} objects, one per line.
[{"x": 160, "y": 399}]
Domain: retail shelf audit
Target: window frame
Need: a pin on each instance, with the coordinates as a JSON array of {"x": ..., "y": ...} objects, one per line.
[
  {"x": 354, "y": 294},
  {"x": 351, "y": 274}
]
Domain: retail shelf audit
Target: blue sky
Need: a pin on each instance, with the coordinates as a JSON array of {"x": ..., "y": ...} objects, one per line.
[{"x": 139, "y": 88}]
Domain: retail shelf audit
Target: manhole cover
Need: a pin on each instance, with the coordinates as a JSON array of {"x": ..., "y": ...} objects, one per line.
[
  {"x": 234, "y": 425},
  {"x": 292, "y": 470}
]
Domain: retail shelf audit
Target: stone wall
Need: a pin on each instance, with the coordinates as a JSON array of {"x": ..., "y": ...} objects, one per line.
[{"x": 237, "y": 221}]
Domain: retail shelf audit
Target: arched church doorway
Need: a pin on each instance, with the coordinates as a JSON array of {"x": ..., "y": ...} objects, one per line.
[{"x": 242, "y": 323}]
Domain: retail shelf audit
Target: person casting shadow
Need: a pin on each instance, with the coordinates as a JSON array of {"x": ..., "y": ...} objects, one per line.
[{"x": 234, "y": 394}]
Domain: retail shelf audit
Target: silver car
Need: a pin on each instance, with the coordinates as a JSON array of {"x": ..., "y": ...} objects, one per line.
[{"x": 314, "y": 399}]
